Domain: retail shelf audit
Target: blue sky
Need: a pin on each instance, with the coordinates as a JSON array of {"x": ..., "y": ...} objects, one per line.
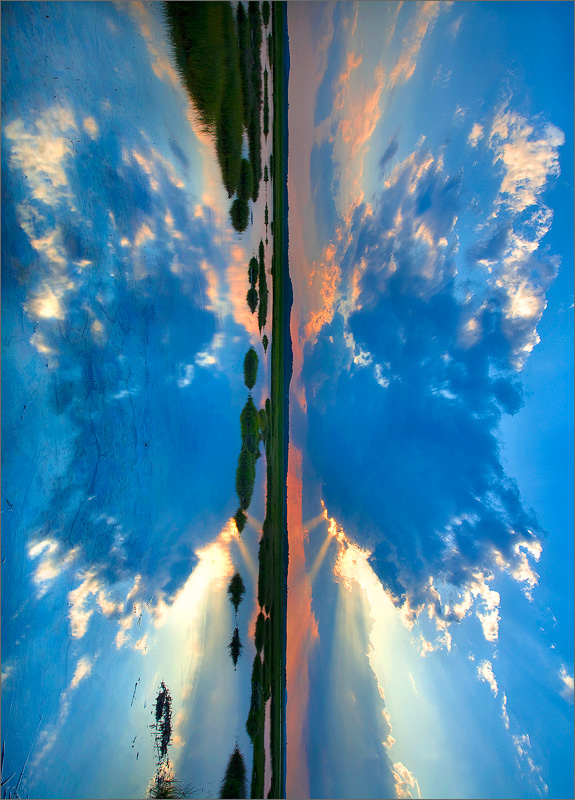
[
  {"x": 431, "y": 204},
  {"x": 124, "y": 327}
]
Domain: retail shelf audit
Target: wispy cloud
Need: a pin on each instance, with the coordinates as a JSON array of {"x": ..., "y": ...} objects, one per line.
[{"x": 485, "y": 674}]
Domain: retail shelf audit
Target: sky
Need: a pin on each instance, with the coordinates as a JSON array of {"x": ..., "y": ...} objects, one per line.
[
  {"x": 430, "y": 482},
  {"x": 124, "y": 327},
  {"x": 430, "y": 584}
]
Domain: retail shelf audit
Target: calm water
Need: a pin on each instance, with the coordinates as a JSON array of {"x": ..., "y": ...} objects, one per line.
[{"x": 124, "y": 326}]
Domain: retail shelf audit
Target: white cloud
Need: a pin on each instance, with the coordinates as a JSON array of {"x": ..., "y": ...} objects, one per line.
[
  {"x": 83, "y": 669},
  {"x": 406, "y": 784},
  {"x": 504, "y": 714},
  {"x": 567, "y": 688},
  {"x": 475, "y": 135},
  {"x": 40, "y": 153},
  {"x": 186, "y": 375},
  {"x": 91, "y": 127},
  {"x": 485, "y": 674},
  {"x": 529, "y": 158},
  {"x": 50, "y": 563},
  {"x": 78, "y": 599}
]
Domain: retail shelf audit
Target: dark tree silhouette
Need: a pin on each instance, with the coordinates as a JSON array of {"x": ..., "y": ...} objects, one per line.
[
  {"x": 236, "y": 590},
  {"x": 234, "y": 784},
  {"x": 235, "y": 647},
  {"x": 253, "y": 272},
  {"x": 240, "y": 214},
  {"x": 260, "y": 631},
  {"x": 252, "y": 300},
  {"x": 250, "y": 368},
  {"x": 240, "y": 519},
  {"x": 163, "y": 726}
]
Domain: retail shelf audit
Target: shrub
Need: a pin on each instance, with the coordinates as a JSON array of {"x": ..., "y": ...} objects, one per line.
[{"x": 265, "y": 342}]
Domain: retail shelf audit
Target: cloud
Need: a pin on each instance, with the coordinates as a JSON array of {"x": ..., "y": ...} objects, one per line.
[
  {"x": 475, "y": 135},
  {"x": 522, "y": 744},
  {"x": 442, "y": 348},
  {"x": 91, "y": 127},
  {"x": 50, "y": 563},
  {"x": 485, "y": 674},
  {"x": 40, "y": 152},
  {"x": 83, "y": 669},
  {"x": 504, "y": 714},
  {"x": 78, "y": 600},
  {"x": 406, "y": 784},
  {"x": 422, "y": 22},
  {"x": 567, "y": 688},
  {"x": 528, "y": 156}
]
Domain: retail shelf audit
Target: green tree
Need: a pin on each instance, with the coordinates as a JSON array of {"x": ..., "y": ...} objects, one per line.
[
  {"x": 236, "y": 590},
  {"x": 266, "y": 176},
  {"x": 250, "y": 427},
  {"x": 263, "y": 286},
  {"x": 266, "y": 12},
  {"x": 240, "y": 214},
  {"x": 260, "y": 631},
  {"x": 256, "y": 706},
  {"x": 245, "y": 477},
  {"x": 246, "y": 180},
  {"x": 250, "y": 368},
  {"x": 252, "y": 299},
  {"x": 253, "y": 271},
  {"x": 265, "y": 342}
]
